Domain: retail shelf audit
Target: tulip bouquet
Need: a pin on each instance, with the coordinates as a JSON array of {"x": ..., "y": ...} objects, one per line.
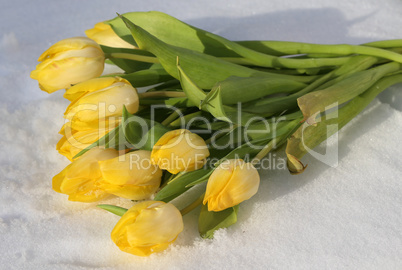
[{"x": 208, "y": 113}]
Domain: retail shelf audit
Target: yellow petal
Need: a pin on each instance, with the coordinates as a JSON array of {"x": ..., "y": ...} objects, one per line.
[
  {"x": 63, "y": 73},
  {"x": 103, "y": 34},
  {"x": 130, "y": 176},
  {"x": 92, "y": 85},
  {"x": 102, "y": 103},
  {"x": 74, "y": 43},
  {"x": 79, "y": 179}
]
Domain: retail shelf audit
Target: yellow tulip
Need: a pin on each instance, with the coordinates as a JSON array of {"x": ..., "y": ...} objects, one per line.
[
  {"x": 147, "y": 227},
  {"x": 231, "y": 183},
  {"x": 131, "y": 176},
  {"x": 68, "y": 62},
  {"x": 73, "y": 141},
  {"x": 179, "y": 150},
  {"x": 103, "y": 34},
  {"x": 100, "y": 99},
  {"x": 79, "y": 180}
]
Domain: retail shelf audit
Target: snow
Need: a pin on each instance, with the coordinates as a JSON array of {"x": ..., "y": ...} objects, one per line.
[{"x": 344, "y": 217}]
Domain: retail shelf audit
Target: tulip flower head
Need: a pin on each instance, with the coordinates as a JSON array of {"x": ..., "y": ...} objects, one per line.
[
  {"x": 68, "y": 62},
  {"x": 147, "y": 227},
  {"x": 231, "y": 183},
  {"x": 79, "y": 180},
  {"x": 103, "y": 34},
  {"x": 74, "y": 141},
  {"x": 131, "y": 176},
  {"x": 100, "y": 99},
  {"x": 179, "y": 150}
]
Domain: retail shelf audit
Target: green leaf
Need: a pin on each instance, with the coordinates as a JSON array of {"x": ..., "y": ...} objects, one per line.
[
  {"x": 179, "y": 185},
  {"x": 171, "y": 31},
  {"x": 194, "y": 94},
  {"x": 140, "y": 132},
  {"x": 218, "y": 125},
  {"x": 177, "y": 33},
  {"x": 270, "y": 130},
  {"x": 204, "y": 69},
  {"x": 200, "y": 180},
  {"x": 212, "y": 102},
  {"x": 127, "y": 65},
  {"x": 292, "y": 48},
  {"x": 209, "y": 222},
  {"x": 177, "y": 102},
  {"x": 145, "y": 77},
  {"x": 247, "y": 150},
  {"x": 239, "y": 89},
  {"x": 117, "y": 210}
]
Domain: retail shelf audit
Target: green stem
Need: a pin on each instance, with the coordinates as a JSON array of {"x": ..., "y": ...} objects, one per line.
[
  {"x": 161, "y": 94},
  {"x": 264, "y": 151},
  {"x": 265, "y": 60},
  {"x": 185, "y": 119},
  {"x": 274, "y": 105},
  {"x": 391, "y": 43},
  {"x": 175, "y": 114},
  {"x": 117, "y": 210},
  {"x": 135, "y": 57},
  {"x": 148, "y": 102},
  {"x": 281, "y": 48},
  {"x": 192, "y": 205},
  {"x": 288, "y": 62},
  {"x": 277, "y": 141}
]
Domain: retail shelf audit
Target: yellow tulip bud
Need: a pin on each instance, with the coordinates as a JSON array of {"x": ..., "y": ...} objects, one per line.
[
  {"x": 131, "y": 176},
  {"x": 148, "y": 227},
  {"x": 79, "y": 180},
  {"x": 99, "y": 99},
  {"x": 232, "y": 182},
  {"x": 74, "y": 141},
  {"x": 68, "y": 62},
  {"x": 179, "y": 150},
  {"x": 103, "y": 34}
]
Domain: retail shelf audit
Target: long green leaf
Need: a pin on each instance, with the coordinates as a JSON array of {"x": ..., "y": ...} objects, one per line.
[
  {"x": 209, "y": 222},
  {"x": 204, "y": 69},
  {"x": 290, "y": 48},
  {"x": 179, "y": 185},
  {"x": 239, "y": 89},
  {"x": 171, "y": 31},
  {"x": 117, "y": 210},
  {"x": 212, "y": 102}
]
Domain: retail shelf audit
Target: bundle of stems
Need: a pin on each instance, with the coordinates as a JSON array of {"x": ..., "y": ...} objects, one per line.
[
  {"x": 288, "y": 85},
  {"x": 243, "y": 98}
]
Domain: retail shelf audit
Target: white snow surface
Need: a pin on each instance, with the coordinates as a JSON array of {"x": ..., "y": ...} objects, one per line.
[{"x": 343, "y": 217}]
